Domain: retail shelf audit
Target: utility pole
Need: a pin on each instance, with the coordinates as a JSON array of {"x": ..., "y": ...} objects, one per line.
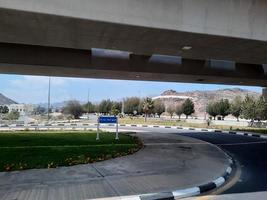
[
  {"x": 122, "y": 107},
  {"x": 48, "y": 100},
  {"x": 88, "y": 106},
  {"x": 206, "y": 102}
]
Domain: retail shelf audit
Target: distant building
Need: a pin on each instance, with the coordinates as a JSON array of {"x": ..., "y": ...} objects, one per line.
[
  {"x": 23, "y": 109},
  {"x": 175, "y": 97}
]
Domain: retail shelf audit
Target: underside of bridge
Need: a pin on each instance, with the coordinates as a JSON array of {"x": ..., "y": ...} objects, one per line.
[{"x": 220, "y": 41}]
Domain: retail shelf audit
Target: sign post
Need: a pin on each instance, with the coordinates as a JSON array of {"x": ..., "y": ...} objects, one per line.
[
  {"x": 117, "y": 131},
  {"x": 97, "y": 134},
  {"x": 108, "y": 120}
]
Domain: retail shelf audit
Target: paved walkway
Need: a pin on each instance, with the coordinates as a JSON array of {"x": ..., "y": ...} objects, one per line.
[{"x": 167, "y": 162}]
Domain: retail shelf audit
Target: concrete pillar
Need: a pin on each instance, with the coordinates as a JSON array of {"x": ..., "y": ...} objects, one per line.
[{"x": 264, "y": 93}]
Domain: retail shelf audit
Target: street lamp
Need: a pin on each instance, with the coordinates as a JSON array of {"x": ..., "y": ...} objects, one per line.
[
  {"x": 48, "y": 100},
  {"x": 88, "y": 106}
]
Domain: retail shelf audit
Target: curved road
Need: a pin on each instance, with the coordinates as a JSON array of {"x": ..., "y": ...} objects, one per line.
[{"x": 249, "y": 152}]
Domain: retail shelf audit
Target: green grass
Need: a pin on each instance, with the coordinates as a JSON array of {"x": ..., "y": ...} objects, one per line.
[
  {"x": 176, "y": 122},
  {"x": 183, "y": 123},
  {"x": 154, "y": 121},
  {"x": 254, "y": 130},
  {"x": 26, "y": 150}
]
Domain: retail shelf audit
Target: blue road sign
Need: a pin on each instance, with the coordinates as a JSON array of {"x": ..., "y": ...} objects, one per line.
[{"x": 107, "y": 120}]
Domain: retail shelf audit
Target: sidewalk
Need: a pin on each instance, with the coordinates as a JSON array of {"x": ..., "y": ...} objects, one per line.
[{"x": 168, "y": 162}]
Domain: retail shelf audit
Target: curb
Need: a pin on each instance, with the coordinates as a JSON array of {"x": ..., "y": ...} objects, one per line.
[
  {"x": 181, "y": 193},
  {"x": 77, "y": 126},
  {"x": 250, "y": 134}
]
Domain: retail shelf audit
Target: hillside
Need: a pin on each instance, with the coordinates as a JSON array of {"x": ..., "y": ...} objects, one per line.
[
  {"x": 202, "y": 98},
  {"x": 5, "y": 100}
]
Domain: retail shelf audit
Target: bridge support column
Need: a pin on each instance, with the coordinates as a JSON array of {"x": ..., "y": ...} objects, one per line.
[{"x": 264, "y": 93}]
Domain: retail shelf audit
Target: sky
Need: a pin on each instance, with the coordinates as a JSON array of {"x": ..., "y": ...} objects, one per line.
[{"x": 34, "y": 89}]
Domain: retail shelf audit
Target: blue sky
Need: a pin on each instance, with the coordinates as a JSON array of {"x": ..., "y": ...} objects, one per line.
[{"x": 33, "y": 89}]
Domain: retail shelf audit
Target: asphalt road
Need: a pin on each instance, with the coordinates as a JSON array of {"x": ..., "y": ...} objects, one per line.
[{"x": 251, "y": 154}]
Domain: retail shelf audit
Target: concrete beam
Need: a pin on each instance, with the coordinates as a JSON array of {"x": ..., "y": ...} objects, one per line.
[
  {"x": 238, "y": 19},
  {"x": 97, "y": 63},
  {"x": 218, "y": 29}
]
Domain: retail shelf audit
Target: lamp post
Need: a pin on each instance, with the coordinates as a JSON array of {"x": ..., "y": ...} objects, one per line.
[
  {"x": 88, "y": 106},
  {"x": 48, "y": 100}
]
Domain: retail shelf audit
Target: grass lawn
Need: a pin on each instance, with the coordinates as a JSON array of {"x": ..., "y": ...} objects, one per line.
[
  {"x": 154, "y": 121},
  {"x": 254, "y": 130},
  {"x": 27, "y": 150},
  {"x": 183, "y": 123},
  {"x": 176, "y": 122}
]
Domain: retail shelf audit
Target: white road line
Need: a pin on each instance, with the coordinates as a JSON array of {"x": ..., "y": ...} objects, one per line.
[{"x": 243, "y": 143}]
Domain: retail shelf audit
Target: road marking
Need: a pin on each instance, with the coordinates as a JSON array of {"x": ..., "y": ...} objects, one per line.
[
  {"x": 204, "y": 143},
  {"x": 243, "y": 143}
]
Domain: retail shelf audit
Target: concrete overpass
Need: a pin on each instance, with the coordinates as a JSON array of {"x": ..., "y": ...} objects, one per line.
[{"x": 203, "y": 41}]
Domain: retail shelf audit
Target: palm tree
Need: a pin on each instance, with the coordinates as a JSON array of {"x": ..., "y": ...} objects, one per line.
[{"x": 148, "y": 106}]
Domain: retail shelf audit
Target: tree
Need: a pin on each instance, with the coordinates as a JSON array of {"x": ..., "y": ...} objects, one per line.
[
  {"x": 131, "y": 105},
  {"x": 13, "y": 115},
  {"x": 116, "y": 108},
  {"x": 224, "y": 107},
  {"x": 117, "y": 105},
  {"x": 188, "y": 107},
  {"x": 212, "y": 109},
  {"x": 4, "y": 109},
  {"x": 105, "y": 106},
  {"x": 179, "y": 110},
  {"x": 249, "y": 108},
  {"x": 171, "y": 110},
  {"x": 89, "y": 107},
  {"x": 148, "y": 106},
  {"x": 39, "y": 110},
  {"x": 254, "y": 109},
  {"x": 73, "y": 108},
  {"x": 261, "y": 109},
  {"x": 236, "y": 107},
  {"x": 221, "y": 108},
  {"x": 114, "y": 111},
  {"x": 159, "y": 107}
]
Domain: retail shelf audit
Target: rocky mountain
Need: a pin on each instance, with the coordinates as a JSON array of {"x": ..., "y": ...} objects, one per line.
[
  {"x": 202, "y": 98},
  {"x": 5, "y": 100}
]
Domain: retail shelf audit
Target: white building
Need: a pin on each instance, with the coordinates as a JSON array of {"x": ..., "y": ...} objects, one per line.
[
  {"x": 23, "y": 109},
  {"x": 175, "y": 97}
]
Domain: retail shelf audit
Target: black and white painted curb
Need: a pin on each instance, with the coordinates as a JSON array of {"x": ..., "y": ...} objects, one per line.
[
  {"x": 182, "y": 193},
  {"x": 85, "y": 126},
  {"x": 258, "y": 135}
]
